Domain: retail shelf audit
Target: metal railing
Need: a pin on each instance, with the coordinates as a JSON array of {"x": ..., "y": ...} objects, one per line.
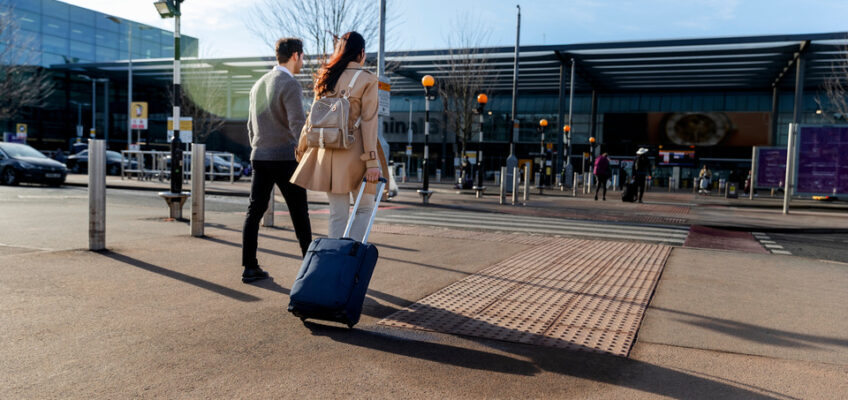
[{"x": 150, "y": 164}]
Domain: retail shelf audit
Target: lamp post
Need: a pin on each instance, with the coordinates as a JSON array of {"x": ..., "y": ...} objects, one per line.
[
  {"x": 543, "y": 123},
  {"x": 129, "y": 74},
  {"x": 482, "y": 99},
  {"x": 566, "y": 131},
  {"x": 168, "y": 9},
  {"x": 175, "y": 198},
  {"x": 408, "y": 141},
  {"x": 427, "y": 81}
]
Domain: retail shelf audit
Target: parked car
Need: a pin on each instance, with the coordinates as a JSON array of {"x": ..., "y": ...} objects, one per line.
[
  {"x": 221, "y": 166},
  {"x": 78, "y": 163},
  {"x": 22, "y": 163}
]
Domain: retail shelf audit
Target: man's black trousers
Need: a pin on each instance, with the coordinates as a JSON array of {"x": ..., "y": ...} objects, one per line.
[{"x": 265, "y": 175}]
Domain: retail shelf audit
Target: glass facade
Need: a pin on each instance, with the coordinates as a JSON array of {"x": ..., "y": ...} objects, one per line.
[{"x": 60, "y": 33}]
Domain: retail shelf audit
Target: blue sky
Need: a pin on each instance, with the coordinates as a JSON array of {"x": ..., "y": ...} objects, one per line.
[{"x": 220, "y": 24}]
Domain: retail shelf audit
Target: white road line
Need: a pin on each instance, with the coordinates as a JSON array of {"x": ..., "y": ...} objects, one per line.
[
  {"x": 568, "y": 224},
  {"x": 511, "y": 225},
  {"x": 567, "y": 232},
  {"x": 773, "y": 246},
  {"x": 543, "y": 220},
  {"x": 783, "y": 252},
  {"x": 768, "y": 242}
]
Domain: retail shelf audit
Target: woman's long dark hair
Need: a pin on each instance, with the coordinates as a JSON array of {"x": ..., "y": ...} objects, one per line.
[{"x": 348, "y": 48}]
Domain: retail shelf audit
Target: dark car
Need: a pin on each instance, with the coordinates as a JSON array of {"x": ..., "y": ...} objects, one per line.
[
  {"x": 21, "y": 163},
  {"x": 78, "y": 163}
]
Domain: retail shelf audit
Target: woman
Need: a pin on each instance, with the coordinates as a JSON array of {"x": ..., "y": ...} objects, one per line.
[
  {"x": 339, "y": 172},
  {"x": 602, "y": 172},
  {"x": 705, "y": 176}
]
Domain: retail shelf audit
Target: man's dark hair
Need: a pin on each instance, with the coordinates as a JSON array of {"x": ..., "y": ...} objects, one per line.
[{"x": 286, "y": 47}]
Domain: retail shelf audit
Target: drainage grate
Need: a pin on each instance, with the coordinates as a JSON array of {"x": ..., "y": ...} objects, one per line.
[{"x": 585, "y": 295}]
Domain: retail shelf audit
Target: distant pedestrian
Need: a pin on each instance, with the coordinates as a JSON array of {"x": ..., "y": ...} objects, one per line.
[
  {"x": 602, "y": 172},
  {"x": 339, "y": 172},
  {"x": 705, "y": 176},
  {"x": 275, "y": 118},
  {"x": 641, "y": 171}
]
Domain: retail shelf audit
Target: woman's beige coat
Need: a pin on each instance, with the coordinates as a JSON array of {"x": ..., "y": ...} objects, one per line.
[{"x": 341, "y": 171}]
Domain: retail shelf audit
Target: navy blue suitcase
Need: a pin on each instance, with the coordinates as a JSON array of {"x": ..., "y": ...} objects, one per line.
[{"x": 335, "y": 273}]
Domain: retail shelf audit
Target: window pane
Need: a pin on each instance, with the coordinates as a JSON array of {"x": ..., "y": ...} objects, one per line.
[
  {"x": 28, "y": 20},
  {"x": 82, "y": 16},
  {"x": 105, "y": 54},
  {"x": 28, "y": 5},
  {"x": 148, "y": 33},
  {"x": 188, "y": 47},
  {"x": 55, "y": 26},
  {"x": 166, "y": 38},
  {"x": 55, "y": 9},
  {"x": 107, "y": 39},
  {"x": 82, "y": 34},
  {"x": 28, "y": 40},
  {"x": 50, "y": 59},
  {"x": 54, "y": 44},
  {"x": 150, "y": 49},
  {"x": 83, "y": 51},
  {"x": 101, "y": 22}
]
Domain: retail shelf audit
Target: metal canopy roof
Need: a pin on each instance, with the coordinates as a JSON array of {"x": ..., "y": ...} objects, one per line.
[{"x": 731, "y": 63}]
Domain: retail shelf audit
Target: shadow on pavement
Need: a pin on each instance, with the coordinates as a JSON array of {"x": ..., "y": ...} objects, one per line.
[
  {"x": 607, "y": 369},
  {"x": 203, "y": 284},
  {"x": 756, "y": 333},
  {"x": 272, "y": 252}
]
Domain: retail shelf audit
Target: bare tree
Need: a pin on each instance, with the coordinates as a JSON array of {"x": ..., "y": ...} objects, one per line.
[
  {"x": 461, "y": 76},
  {"x": 317, "y": 22},
  {"x": 23, "y": 83},
  {"x": 203, "y": 97},
  {"x": 836, "y": 86}
]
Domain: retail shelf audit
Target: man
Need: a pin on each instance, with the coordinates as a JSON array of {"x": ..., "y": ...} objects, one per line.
[
  {"x": 274, "y": 122},
  {"x": 641, "y": 170}
]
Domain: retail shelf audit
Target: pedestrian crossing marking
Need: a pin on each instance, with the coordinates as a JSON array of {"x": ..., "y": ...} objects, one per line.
[{"x": 539, "y": 226}]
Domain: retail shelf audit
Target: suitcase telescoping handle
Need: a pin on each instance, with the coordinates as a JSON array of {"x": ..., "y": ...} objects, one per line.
[{"x": 380, "y": 186}]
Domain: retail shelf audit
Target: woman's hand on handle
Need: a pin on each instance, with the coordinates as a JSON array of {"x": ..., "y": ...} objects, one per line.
[{"x": 372, "y": 175}]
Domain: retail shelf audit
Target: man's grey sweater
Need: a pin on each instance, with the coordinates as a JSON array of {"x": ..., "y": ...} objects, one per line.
[{"x": 276, "y": 117}]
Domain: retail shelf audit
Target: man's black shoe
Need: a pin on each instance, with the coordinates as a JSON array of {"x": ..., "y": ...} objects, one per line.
[{"x": 252, "y": 274}]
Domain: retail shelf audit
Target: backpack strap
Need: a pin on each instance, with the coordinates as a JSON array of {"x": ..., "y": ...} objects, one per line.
[{"x": 352, "y": 82}]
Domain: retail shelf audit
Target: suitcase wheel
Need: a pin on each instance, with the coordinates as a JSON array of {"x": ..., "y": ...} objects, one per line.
[
  {"x": 349, "y": 326},
  {"x": 302, "y": 319}
]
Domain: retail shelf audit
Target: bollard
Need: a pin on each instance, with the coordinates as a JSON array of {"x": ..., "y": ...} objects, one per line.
[
  {"x": 439, "y": 176},
  {"x": 198, "y": 188},
  {"x": 538, "y": 179},
  {"x": 498, "y": 177},
  {"x": 589, "y": 182},
  {"x": 515, "y": 179},
  {"x": 420, "y": 175},
  {"x": 268, "y": 218},
  {"x": 574, "y": 186},
  {"x": 502, "y": 182},
  {"x": 96, "y": 195},
  {"x": 526, "y": 184}
]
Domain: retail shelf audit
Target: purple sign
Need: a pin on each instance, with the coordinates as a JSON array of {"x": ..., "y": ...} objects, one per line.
[
  {"x": 822, "y": 160},
  {"x": 771, "y": 167}
]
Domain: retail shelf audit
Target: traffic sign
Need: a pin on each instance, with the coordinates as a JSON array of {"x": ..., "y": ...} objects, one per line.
[
  {"x": 21, "y": 131},
  {"x": 385, "y": 97},
  {"x": 139, "y": 115},
  {"x": 409, "y": 150}
]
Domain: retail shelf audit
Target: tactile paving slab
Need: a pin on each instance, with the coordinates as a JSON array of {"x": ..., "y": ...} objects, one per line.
[{"x": 587, "y": 295}]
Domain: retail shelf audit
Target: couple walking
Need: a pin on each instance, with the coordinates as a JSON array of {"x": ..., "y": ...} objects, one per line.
[{"x": 280, "y": 154}]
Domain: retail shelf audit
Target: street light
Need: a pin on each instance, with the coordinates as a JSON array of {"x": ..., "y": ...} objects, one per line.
[
  {"x": 543, "y": 123},
  {"x": 129, "y": 75},
  {"x": 482, "y": 99},
  {"x": 427, "y": 81},
  {"x": 168, "y": 9}
]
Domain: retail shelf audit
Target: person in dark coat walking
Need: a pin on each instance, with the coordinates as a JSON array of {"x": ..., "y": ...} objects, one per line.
[
  {"x": 641, "y": 170},
  {"x": 602, "y": 172}
]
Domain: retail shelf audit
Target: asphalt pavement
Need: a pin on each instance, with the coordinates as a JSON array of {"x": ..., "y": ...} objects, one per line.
[{"x": 161, "y": 314}]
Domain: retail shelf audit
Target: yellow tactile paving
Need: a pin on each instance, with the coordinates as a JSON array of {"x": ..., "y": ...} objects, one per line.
[{"x": 577, "y": 294}]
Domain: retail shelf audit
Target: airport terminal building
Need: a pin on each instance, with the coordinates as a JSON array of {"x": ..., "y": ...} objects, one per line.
[{"x": 707, "y": 100}]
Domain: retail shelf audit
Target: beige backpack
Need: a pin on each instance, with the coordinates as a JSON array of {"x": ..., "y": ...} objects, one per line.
[{"x": 326, "y": 127}]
